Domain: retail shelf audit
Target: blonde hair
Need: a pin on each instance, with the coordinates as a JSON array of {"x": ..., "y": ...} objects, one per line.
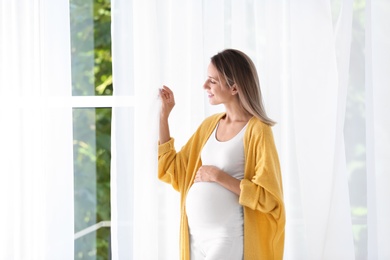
[{"x": 238, "y": 69}]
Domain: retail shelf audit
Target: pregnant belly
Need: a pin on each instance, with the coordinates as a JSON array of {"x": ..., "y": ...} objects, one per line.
[{"x": 209, "y": 204}]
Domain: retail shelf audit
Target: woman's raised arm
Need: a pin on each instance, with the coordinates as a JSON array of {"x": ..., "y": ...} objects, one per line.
[{"x": 167, "y": 104}]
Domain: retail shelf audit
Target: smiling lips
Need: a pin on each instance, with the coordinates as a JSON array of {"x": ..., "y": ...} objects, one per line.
[{"x": 209, "y": 95}]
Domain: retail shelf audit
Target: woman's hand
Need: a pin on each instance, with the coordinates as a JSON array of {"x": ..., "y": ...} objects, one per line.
[
  {"x": 207, "y": 173},
  {"x": 167, "y": 101}
]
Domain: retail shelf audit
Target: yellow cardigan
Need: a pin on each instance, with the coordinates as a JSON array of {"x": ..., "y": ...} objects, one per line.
[{"x": 261, "y": 189}]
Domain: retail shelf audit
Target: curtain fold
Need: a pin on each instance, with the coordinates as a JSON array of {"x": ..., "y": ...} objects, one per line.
[
  {"x": 339, "y": 237},
  {"x": 135, "y": 127},
  {"x": 318, "y": 107},
  {"x": 36, "y": 154},
  {"x": 378, "y": 127},
  {"x": 122, "y": 133}
]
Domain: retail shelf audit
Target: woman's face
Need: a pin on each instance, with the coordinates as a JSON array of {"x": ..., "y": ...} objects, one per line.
[{"x": 217, "y": 90}]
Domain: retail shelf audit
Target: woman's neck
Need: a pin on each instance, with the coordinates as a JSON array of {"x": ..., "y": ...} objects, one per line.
[{"x": 235, "y": 113}]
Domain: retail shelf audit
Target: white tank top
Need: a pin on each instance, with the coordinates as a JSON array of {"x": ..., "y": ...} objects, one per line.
[{"x": 210, "y": 207}]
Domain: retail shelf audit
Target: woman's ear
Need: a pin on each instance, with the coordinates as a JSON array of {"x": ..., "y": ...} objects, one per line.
[{"x": 234, "y": 90}]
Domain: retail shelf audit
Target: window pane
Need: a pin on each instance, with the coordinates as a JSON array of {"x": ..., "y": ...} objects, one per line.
[
  {"x": 90, "y": 23},
  {"x": 92, "y": 154}
]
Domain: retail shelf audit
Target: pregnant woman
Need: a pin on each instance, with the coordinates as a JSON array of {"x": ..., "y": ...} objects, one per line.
[{"x": 228, "y": 173}]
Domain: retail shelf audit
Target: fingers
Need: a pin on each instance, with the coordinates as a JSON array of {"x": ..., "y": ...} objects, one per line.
[
  {"x": 198, "y": 177},
  {"x": 166, "y": 93},
  {"x": 165, "y": 88},
  {"x": 163, "y": 95},
  {"x": 201, "y": 175},
  {"x": 167, "y": 101},
  {"x": 207, "y": 173}
]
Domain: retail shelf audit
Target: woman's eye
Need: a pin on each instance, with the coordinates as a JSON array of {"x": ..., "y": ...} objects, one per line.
[{"x": 212, "y": 82}]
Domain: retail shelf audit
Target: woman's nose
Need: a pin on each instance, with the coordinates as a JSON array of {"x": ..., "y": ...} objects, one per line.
[{"x": 206, "y": 85}]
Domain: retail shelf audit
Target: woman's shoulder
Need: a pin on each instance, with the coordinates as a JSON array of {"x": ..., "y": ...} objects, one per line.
[
  {"x": 257, "y": 123},
  {"x": 256, "y": 127}
]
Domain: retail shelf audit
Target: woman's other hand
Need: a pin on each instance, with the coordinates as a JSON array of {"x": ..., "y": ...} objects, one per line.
[
  {"x": 167, "y": 101},
  {"x": 167, "y": 104}
]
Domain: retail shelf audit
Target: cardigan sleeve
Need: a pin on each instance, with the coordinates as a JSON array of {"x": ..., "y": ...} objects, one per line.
[
  {"x": 261, "y": 188},
  {"x": 174, "y": 167},
  {"x": 170, "y": 164}
]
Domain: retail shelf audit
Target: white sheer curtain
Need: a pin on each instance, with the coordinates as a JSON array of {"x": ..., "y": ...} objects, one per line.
[
  {"x": 36, "y": 194},
  {"x": 378, "y": 127},
  {"x": 302, "y": 50},
  {"x": 317, "y": 68}
]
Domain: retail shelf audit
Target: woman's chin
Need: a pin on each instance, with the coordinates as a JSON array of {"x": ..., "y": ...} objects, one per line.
[{"x": 212, "y": 101}]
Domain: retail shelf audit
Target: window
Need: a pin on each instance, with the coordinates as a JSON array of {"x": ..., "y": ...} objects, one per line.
[{"x": 91, "y": 78}]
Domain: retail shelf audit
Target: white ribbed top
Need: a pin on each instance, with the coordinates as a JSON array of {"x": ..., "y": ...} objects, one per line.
[{"x": 211, "y": 208}]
